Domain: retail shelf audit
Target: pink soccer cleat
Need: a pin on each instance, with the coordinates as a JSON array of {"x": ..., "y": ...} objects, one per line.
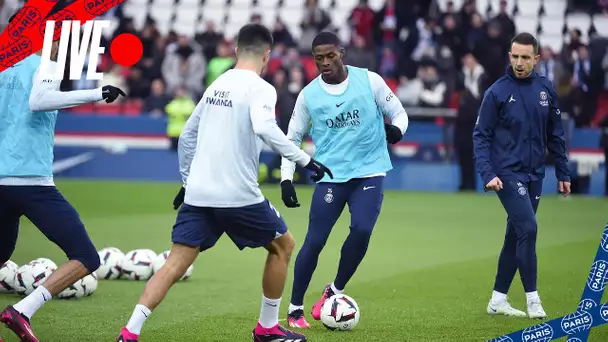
[
  {"x": 296, "y": 319},
  {"x": 276, "y": 333},
  {"x": 316, "y": 309},
  {"x": 127, "y": 336},
  {"x": 18, "y": 323}
]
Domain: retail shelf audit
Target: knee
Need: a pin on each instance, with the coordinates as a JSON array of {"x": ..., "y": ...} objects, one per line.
[
  {"x": 283, "y": 246},
  {"x": 361, "y": 230},
  {"x": 528, "y": 226},
  {"x": 87, "y": 256}
]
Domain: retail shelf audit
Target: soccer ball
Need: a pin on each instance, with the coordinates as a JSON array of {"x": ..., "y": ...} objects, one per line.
[
  {"x": 111, "y": 263},
  {"x": 137, "y": 264},
  {"x": 160, "y": 260},
  {"x": 340, "y": 312},
  {"x": 81, "y": 288},
  {"x": 46, "y": 262},
  {"x": 7, "y": 277},
  {"x": 29, "y": 277}
]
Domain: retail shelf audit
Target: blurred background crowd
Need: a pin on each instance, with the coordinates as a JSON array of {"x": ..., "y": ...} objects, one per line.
[{"x": 438, "y": 56}]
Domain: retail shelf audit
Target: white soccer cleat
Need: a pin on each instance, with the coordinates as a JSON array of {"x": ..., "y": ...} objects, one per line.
[
  {"x": 535, "y": 310},
  {"x": 504, "y": 308}
]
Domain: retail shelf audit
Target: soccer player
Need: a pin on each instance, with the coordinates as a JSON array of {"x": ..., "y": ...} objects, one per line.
[
  {"x": 219, "y": 151},
  {"x": 28, "y": 110},
  {"x": 519, "y": 119},
  {"x": 346, "y": 106}
]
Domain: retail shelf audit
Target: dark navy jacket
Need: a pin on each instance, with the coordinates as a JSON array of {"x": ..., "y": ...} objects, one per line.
[{"x": 519, "y": 119}]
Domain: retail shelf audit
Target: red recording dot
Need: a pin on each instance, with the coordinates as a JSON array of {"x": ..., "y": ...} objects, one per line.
[{"x": 126, "y": 49}]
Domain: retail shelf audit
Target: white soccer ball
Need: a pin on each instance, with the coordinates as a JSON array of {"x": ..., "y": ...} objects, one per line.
[
  {"x": 48, "y": 263},
  {"x": 111, "y": 263},
  {"x": 340, "y": 312},
  {"x": 29, "y": 277},
  {"x": 7, "y": 277},
  {"x": 81, "y": 288},
  {"x": 137, "y": 264},
  {"x": 160, "y": 260}
]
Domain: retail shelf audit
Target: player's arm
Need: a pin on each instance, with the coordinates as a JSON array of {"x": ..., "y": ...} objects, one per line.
[
  {"x": 483, "y": 135},
  {"x": 262, "y": 112},
  {"x": 188, "y": 138},
  {"x": 556, "y": 143},
  {"x": 298, "y": 127},
  {"x": 45, "y": 94},
  {"x": 390, "y": 105}
]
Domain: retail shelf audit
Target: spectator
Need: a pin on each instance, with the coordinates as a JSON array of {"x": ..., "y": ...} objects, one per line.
[
  {"x": 139, "y": 87},
  {"x": 585, "y": 91},
  {"x": 433, "y": 90},
  {"x": 386, "y": 25},
  {"x": 361, "y": 21},
  {"x": 388, "y": 63},
  {"x": 426, "y": 40},
  {"x": 209, "y": 40},
  {"x": 184, "y": 65},
  {"x": 604, "y": 144},
  {"x": 158, "y": 100},
  {"x": 408, "y": 91},
  {"x": 219, "y": 64},
  {"x": 504, "y": 20},
  {"x": 281, "y": 35},
  {"x": 178, "y": 111},
  {"x": 361, "y": 56},
  {"x": 471, "y": 86},
  {"x": 314, "y": 21}
]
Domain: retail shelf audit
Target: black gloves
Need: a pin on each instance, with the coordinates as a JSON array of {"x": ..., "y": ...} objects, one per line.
[
  {"x": 179, "y": 199},
  {"x": 288, "y": 194},
  {"x": 393, "y": 133},
  {"x": 110, "y": 93},
  {"x": 319, "y": 169}
]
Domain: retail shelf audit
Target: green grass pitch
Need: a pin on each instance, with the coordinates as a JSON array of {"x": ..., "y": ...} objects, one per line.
[{"x": 427, "y": 276}]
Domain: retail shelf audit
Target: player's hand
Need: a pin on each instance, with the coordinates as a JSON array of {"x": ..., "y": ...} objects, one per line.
[
  {"x": 179, "y": 198},
  {"x": 319, "y": 169},
  {"x": 564, "y": 188},
  {"x": 111, "y": 93},
  {"x": 393, "y": 133},
  {"x": 288, "y": 194},
  {"x": 495, "y": 184}
]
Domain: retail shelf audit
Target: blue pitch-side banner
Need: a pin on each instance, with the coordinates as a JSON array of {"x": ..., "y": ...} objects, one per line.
[{"x": 589, "y": 314}]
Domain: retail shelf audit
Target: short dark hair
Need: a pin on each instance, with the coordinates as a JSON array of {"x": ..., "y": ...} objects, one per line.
[
  {"x": 526, "y": 38},
  {"x": 326, "y": 38},
  {"x": 254, "y": 38}
]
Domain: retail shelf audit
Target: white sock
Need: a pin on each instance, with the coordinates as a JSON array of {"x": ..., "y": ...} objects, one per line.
[
  {"x": 532, "y": 296},
  {"x": 269, "y": 314},
  {"x": 140, "y": 314},
  {"x": 293, "y": 308},
  {"x": 30, "y": 304},
  {"x": 498, "y": 297},
  {"x": 335, "y": 289}
]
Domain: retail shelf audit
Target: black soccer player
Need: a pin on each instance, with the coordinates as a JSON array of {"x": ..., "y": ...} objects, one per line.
[{"x": 519, "y": 120}]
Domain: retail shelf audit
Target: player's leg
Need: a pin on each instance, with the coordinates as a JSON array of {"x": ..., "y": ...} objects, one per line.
[
  {"x": 9, "y": 224},
  {"x": 195, "y": 230},
  {"x": 515, "y": 198},
  {"x": 365, "y": 203},
  {"x": 261, "y": 225},
  {"x": 535, "y": 309},
  {"x": 328, "y": 201},
  {"x": 507, "y": 267},
  {"x": 53, "y": 215}
]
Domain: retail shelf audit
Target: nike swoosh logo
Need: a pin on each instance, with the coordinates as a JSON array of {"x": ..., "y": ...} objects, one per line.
[
  {"x": 368, "y": 187},
  {"x": 493, "y": 310},
  {"x": 144, "y": 313},
  {"x": 68, "y": 163},
  {"x": 338, "y": 105},
  {"x": 537, "y": 197},
  {"x": 273, "y": 305}
]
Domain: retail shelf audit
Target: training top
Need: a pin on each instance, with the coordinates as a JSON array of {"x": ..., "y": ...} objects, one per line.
[
  {"x": 219, "y": 148},
  {"x": 28, "y": 112},
  {"x": 346, "y": 125}
]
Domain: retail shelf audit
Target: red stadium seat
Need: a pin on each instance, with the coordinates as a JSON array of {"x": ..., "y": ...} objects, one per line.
[
  {"x": 108, "y": 109},
  {"x": 132, "y": 108},
  {"x": 392, "y": 83}
]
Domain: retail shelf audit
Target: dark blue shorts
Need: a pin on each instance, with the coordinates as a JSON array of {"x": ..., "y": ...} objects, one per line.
[
  {"x": 49, "y": 211},
  {"x": 251, "y": 226}
]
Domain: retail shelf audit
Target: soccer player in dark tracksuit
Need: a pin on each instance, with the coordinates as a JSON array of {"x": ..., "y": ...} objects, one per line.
[{"x": 518, "y": 121}]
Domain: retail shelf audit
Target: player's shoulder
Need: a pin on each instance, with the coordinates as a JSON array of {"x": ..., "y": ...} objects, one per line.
[
  {"x": 545, "y": 82},
  {"x": 499, "y": 86}
]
